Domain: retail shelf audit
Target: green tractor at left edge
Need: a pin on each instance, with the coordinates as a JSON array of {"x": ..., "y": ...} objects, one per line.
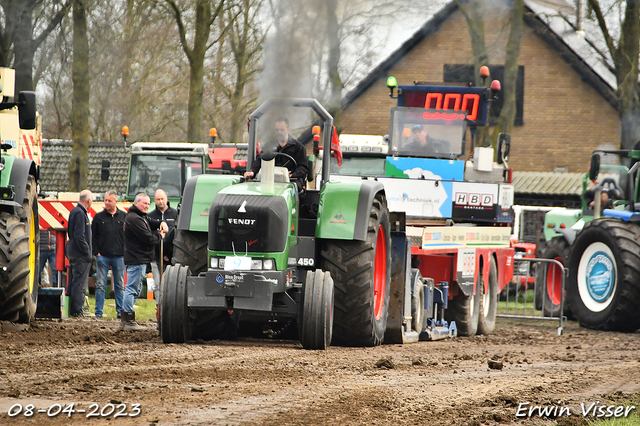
[
  {"x": 19, "y": 226},
  {"x": 268, "y": 259}
]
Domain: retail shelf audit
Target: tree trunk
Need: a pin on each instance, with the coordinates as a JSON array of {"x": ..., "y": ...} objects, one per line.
[
  {"x": 79, "y": 163},
  {"x": 333, "y": 63},
  {"x": 508, "y": 112},
  {"x": 23, "y": 46},
  {"x": 627, "y": 75}
]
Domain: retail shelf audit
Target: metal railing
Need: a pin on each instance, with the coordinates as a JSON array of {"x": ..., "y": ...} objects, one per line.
[{"x": 534, "y": 292}]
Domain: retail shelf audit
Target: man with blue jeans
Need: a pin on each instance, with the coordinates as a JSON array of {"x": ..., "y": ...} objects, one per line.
[
  {"x": 48, "y": 252},
  {"x": 107, "y": 230},
  {"x": 141, "y": 235}
]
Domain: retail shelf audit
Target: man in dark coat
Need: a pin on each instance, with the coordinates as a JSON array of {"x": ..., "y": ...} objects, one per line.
[
  {"x": 141, "y": 236},
  {"x": 107, "y": 229},
  {"x": 287, "y": 144},
  {"x": 163, "y": 213},
  {"x": 79, "y": 252}
]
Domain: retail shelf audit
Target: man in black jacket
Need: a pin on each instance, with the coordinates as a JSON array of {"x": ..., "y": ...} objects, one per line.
[
  {"x": 163, "y": 213},
  {"x": 141, "y": 236},
  {"x": 107, "y": 229},
  {"x": 79, "y": 252},
  {"x": 287, "y": 144}
]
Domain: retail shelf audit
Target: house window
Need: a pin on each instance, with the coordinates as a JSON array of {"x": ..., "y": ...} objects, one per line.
[{"x": 458, "y": 73}]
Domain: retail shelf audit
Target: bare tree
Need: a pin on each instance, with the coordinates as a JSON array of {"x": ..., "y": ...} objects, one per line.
[
  {"x": 474, "y": 15},
  {"x": 78, "y": 165},
  {"x": 244, "y": 39},
  {"x": 19, "y": 31},
  {"x": 206, "y": 13},
  {"x": 624, "y": 54}
]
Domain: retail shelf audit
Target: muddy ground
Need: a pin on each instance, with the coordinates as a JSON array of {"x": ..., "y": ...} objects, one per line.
[{"x": 270, "y": 382}]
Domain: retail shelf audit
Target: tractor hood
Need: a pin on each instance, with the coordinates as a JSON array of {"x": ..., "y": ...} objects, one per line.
[{"x": 253, "y": 218}]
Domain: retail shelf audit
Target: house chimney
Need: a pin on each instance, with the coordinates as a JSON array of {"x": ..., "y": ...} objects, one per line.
[{"x": 581, "y": 10}]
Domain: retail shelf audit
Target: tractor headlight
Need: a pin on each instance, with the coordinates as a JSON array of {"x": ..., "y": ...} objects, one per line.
[
  {"x": 268, "y": 264},
  {"x": 213, "y": 262},
  {"x": 256, "y": 263}
]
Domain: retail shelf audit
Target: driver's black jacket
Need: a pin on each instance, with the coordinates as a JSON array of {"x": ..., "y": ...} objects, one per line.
[{"x": 295, "y": 149}]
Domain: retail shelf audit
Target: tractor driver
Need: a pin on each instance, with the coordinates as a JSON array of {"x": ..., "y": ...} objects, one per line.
[
  {"x": 287, "y": 144},
  {"x": 422, "y": 145}
]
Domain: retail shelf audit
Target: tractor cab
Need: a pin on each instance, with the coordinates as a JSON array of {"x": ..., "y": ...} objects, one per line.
[{"x": 164, "y": 166}]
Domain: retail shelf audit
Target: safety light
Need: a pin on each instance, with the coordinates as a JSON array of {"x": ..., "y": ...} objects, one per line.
[
  {"x": 315, "y": 130},
  {"x": 213, "y": 132},
  {"x": 125, "y": 131},
  {"x": 406, "y": 132},
  {"x": 484, "y": 71},
  {"x": 392, "y": 83}
]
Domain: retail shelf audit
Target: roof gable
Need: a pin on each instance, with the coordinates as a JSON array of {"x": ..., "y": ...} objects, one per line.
[{"x": 550, "y": 20}]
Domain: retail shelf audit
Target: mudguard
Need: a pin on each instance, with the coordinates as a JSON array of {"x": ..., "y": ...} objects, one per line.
[
  {"x": 344, "y": 208},
  {"x": 197, "y": 196},
  {"x": 20, "y": 169}
]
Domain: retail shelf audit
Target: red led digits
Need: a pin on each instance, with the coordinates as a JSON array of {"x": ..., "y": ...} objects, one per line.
[{"x": 465, "y": 106}]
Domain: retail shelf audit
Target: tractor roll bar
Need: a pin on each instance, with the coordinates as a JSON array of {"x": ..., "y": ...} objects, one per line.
[{"x": 293, "y": 102}]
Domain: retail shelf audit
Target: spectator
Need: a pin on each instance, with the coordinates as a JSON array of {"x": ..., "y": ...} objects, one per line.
[
  {"x": 108, "y": 247},
  {"x": 79, "y": 252},
  {"x": 48, "y": 253},
  {"x": 163, "y": 213},
  {"x": 140, "y": 240},
  {"x": 287, "y": 144}
]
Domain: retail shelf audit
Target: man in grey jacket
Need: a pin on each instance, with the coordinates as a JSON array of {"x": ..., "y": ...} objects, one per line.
[{"x": 79, "y": 252}]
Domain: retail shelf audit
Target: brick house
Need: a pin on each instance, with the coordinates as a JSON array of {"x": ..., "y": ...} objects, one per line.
[{"x": 567, "y": 103}]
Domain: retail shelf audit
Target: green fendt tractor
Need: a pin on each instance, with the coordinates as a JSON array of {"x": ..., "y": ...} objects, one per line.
[
  {"x": 264, "y": 256},
  {"x": 600, "y": 250},
  {"x": 19, "y": 228}
]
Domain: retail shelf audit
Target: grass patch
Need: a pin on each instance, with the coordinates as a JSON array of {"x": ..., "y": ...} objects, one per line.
[
  {"x": 144, "y": 309},
  {"x": 634, "y": 416},
  {"x": 521, "y": 303}
]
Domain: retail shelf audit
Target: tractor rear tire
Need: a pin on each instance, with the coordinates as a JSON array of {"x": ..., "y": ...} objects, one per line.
[
  {"x": 174, "y": 312},
  {"x": 19, "y": 253},
  {"x": 316, "y": 322},
  {"x": 603, "y": 287},
  {"x": 489, "y": 301},
  {"x": 418, "y": 320},
  {"x": 190, "y": 249},
  {"x": 361, "y": 272},
  {"x": 549, "y": 278},
  {"x": 465, "y": 311}
]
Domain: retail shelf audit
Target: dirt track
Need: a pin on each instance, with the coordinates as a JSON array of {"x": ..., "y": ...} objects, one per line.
[{"x": 271, "y": 382}]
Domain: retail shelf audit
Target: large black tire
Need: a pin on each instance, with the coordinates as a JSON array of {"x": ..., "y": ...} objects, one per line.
[
  {"x": 603, "y": 287},
  {"x": 418, "y": 320},
  {"x": 361, "y": 272},
  {"x": 549, "y": 278},
  {"x": 489, "y": 300},
  {"x": 190, "y": 249},
  {"x": 177, "y": 324},
  {"x": 316, "y": 322},
  {"x": 19, "y": 254},
  {"x": 465, "y": 311}
]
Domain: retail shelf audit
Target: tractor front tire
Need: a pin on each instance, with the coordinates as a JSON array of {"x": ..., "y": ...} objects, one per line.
[
  {"x": 603, "y": 287},
  {"x": 548, "y": 291},
  {"x": 316, "y": 322},
  {"x": 19, "y": 254},
  {"x": 361, "y": 272},
  {"x": 174, "y": 312},
  {"x": 190, "y": 249},
  {"x": 489, "y": 300}
]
